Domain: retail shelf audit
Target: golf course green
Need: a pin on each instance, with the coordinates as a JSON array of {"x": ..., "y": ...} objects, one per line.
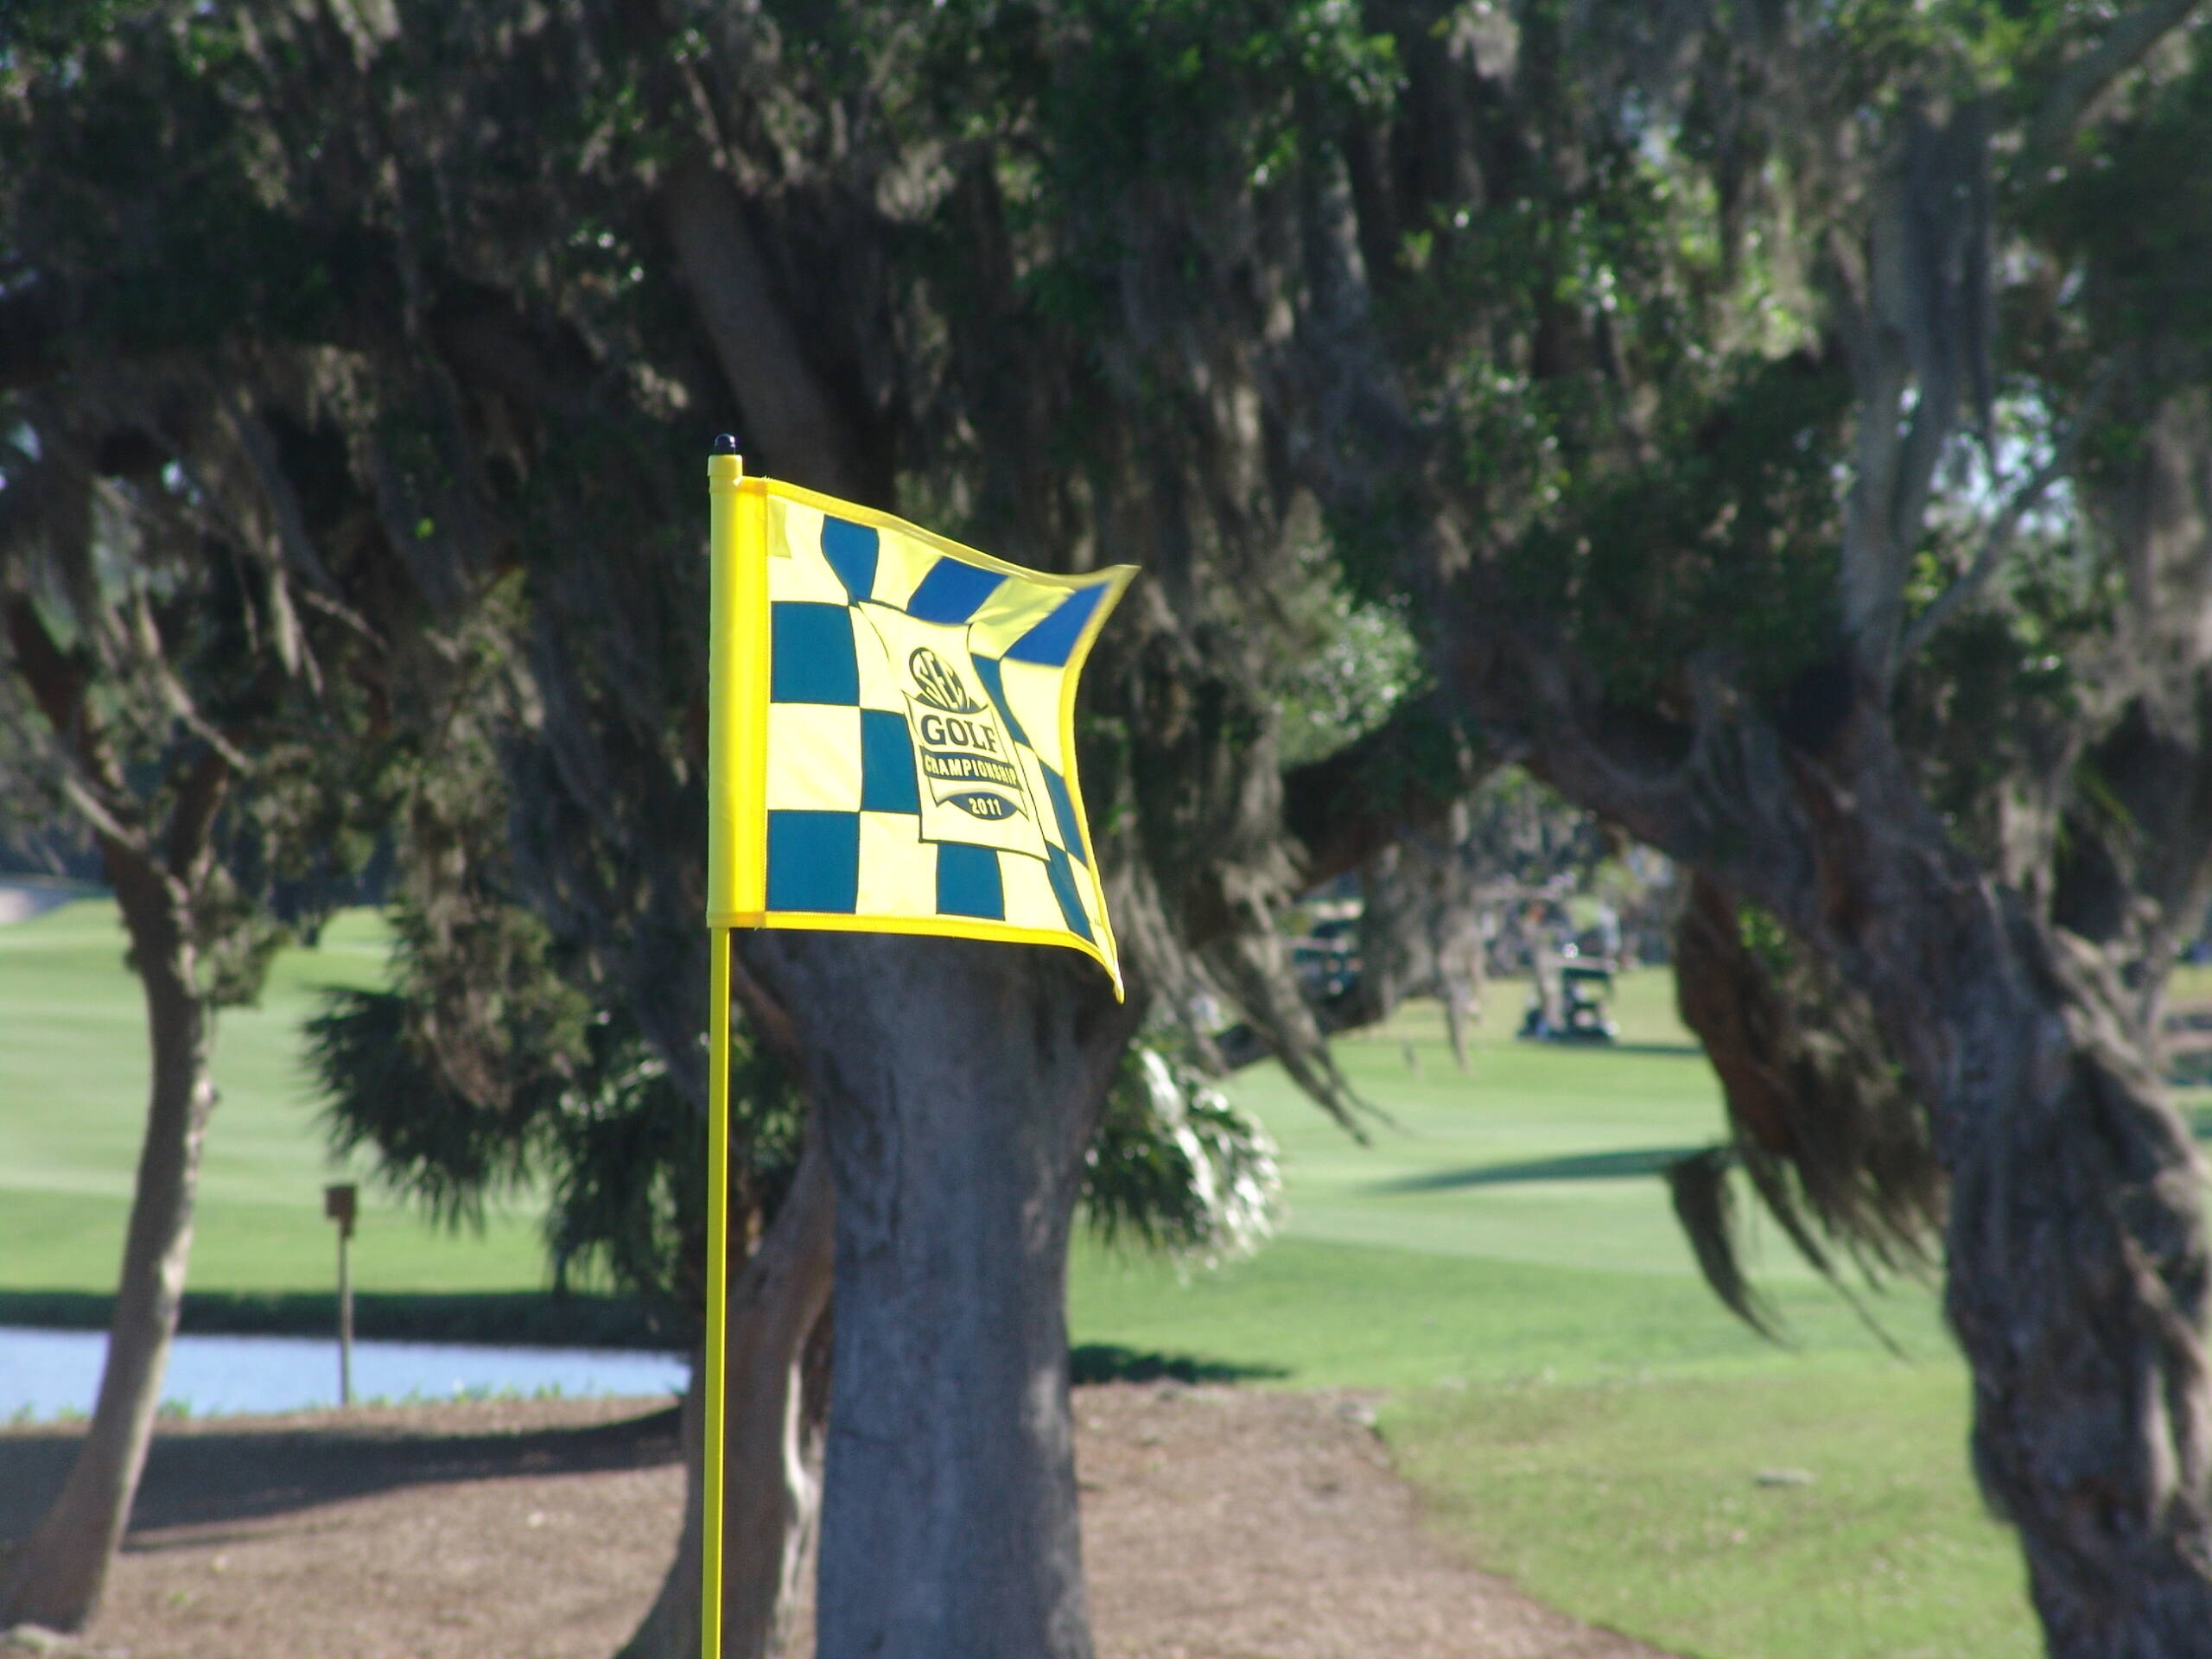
[{"x": 1498, "y": 1263}]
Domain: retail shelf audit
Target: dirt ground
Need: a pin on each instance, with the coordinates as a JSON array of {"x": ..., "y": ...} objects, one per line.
[{"x": 1219, "y": 1523}]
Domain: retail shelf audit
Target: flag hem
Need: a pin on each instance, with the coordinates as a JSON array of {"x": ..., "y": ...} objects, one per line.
[
  {"x": 924, "y": 926},
  {"x": 1119, "y": 576},
  {"x": 838, "y": 507}
]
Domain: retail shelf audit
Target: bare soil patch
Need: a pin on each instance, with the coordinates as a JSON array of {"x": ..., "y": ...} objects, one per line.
[{"x": 1219, "y": 1524}]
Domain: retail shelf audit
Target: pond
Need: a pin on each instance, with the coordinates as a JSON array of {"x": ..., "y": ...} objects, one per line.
[{"x": 48, "y": 1374}]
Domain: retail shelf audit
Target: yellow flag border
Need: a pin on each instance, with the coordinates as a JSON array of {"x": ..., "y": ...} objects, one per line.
[
  {"x": 743, "y": 595},
  {"x": 737, "y": 821}
]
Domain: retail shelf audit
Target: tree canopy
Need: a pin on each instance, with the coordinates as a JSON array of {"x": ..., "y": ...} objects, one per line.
[{"x": 1779, "y": 426}]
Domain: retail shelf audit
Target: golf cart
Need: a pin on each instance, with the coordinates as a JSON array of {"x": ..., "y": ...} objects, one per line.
[
  {"x": 1572, "y": 1007},
  {"x": 1326, "y": 961}
]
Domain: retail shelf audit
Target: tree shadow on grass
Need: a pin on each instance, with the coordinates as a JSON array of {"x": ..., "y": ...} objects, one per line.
[
  {"x": 213, "y": 1473},
  {"x": 201, "y": 1476},
  {"x": 1586, "y": 1166},
  {"x": 1592, "y": 1046},
  {"x": 1110, "y": 1361}
]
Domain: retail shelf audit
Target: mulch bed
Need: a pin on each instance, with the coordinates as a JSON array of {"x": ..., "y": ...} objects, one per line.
[{"x": 1219, "y": 1524}]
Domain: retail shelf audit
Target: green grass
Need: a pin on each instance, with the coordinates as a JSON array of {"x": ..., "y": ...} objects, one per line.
[
  {"x": 1640, "y": 1504},
  {"x": 73, "y": 1073},
  {"x": 1502, "y": 1223},
  {"x": 1576, "y": 1410}
]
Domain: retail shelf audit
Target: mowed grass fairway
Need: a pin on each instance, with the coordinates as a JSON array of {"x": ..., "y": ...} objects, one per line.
[
  {"x": 1503, "y": 1261},
  {"x": 73, "y": 1074},
  {"x": 1567, "y": 1396}
]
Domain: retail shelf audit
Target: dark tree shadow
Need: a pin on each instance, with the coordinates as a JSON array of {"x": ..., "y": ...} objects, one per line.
[
  {"x": 1586, "y": 1166},
  {"x": 215, "y": 1475},
  {"x": 198, "y": 1477},
  {"x": 1680, "y": 1049},
  {"x": 1110, "y": 1361}
]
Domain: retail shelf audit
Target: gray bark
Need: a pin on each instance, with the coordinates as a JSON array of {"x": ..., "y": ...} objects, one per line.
[
  {"x": 771, "y": 1503},
  {"x": 57, "y": 1579},
  {"x": 2130, "y": 38},
  {"x": 956, "y": 1084},
  {"x": 2076, "y": 1250},
  {"x": 792, "y": 414},
  {"x": 2075, "y": 1258}
]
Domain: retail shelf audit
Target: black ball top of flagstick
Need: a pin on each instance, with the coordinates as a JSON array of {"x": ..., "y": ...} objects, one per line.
[{"x": 724, "y": 445}]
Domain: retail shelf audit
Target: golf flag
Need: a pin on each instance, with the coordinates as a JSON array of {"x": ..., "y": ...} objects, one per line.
[
  {"x": 893, "y": 729},
  {"x": 890, "y": 748}
]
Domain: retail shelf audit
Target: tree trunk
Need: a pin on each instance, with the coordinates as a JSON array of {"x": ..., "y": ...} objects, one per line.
[
  {"x": 771, "y": 1502},
  {"x": 956, "y": 1086},
  {"x": 2076, "y": 1285},
  {"x": 57, "y": 1580},
  {"x": 2076, "y": 1253},
  {"x": 1459, "y": 995}
]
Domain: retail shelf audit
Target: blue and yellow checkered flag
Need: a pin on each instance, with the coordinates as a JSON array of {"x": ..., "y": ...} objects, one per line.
[
  {"x": 890, "y": 748},
  {"x": 893, "y": 718}
]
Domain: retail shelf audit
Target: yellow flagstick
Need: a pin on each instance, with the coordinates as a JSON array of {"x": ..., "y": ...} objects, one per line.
[
  {"x": 710, "y": 1598},
  {"x": 730, "y": 592},
  {"x": 741, "y": 689}
]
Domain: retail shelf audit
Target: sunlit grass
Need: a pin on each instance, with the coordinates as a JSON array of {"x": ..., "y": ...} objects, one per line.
[
  {"x": 1577, "y": 1410},
  {"x": 1822, "y": 1511},
  {"x": 73, "y": 1072}
]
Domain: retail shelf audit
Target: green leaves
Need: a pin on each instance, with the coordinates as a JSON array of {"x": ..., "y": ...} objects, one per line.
[
  {"x": 38, "y": 33},
  {"x": 1124, "y": 90},
  {"x": 2131, "y": 222},
  {"x": 484, "y": 1071},
  {"x": 1725, "y": 543}
]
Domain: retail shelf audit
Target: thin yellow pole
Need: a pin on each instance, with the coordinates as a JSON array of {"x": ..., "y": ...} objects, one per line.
[
  {"x": 710, "y": 1597},
  {"x": 725, "y": 473}
]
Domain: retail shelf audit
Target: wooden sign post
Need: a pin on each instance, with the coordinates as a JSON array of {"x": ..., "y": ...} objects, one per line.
[{"x": 338, "y": 1203}]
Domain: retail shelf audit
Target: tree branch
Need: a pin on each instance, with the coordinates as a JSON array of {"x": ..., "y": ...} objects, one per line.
[
  {"x": 793, "y": 416},
  {"x": 1403, "y": 776},
  {"x": 2083, "y": 79},
  {"x": 192, "y": 822},
  {"x": 145, "y": 632},
  {"x": 767, "y": 1016},
  {"x": 1999, "y": 539},
  {"x": 57, "y": 684},
  {"x": 258, "y": 446},
  {"x": 1400, "y": 780}
]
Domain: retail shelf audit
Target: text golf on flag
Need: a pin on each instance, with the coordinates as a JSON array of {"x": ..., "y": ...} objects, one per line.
[{"x": 893, "y": 728}]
